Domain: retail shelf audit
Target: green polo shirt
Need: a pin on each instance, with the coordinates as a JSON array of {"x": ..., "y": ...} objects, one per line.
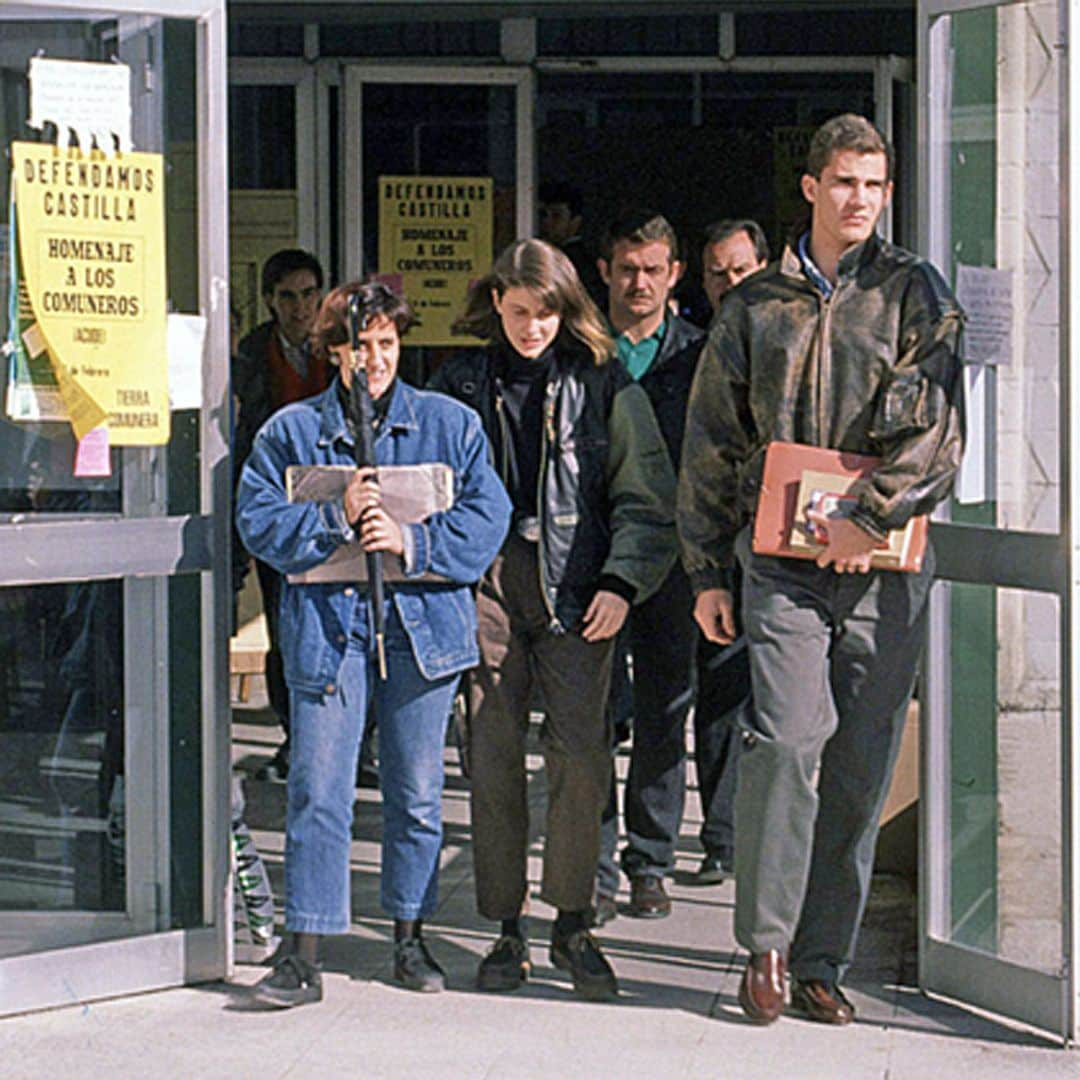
[{"x": 637, "y": 359}]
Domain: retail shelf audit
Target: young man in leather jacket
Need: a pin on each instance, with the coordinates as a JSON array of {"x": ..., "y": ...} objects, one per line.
[{"x": 850, "y": 343}]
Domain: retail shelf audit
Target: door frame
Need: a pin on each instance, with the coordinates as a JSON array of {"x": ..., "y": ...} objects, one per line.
[
  {"x": 1005, "y": 559},
  {"x": 312, "y": 143},
  {"x": 522, "y": 79},
  {"x": 146, "y": 552}
]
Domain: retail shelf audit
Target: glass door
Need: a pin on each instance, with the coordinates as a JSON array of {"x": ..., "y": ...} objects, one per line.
[
  {"x": 113, "y": 586},
  {"x": 438, "y": 178},
  {"x": 998, "y": 899},
  {"x": 277, "y": 199}
]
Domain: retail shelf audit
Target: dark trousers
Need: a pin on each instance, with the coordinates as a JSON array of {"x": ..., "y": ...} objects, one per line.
[
  {"x": 270, "y": 585},
  {"x": 833, "y": 660},
  {"x": 660, "y": 635},
  {"x": 721, "y": 714},
  {"x": 518, "y": 652}
]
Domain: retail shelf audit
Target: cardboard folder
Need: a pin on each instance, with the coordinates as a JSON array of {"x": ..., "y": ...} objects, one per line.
[
  {"x": 798, "y": 477},
  {"x": 410, "y": 493}
]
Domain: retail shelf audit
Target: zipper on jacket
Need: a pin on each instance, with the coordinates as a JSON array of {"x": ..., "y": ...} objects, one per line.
[
  {"x": 504, "y": 438},
  {"x": 547, "y": 439},
  {"x": 824, "y": 362}
]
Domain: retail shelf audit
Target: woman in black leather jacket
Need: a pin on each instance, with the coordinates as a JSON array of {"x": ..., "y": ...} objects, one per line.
[{"x": 579, "y": 450}]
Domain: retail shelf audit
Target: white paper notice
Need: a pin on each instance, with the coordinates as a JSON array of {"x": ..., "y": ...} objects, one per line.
[
  {"x": 187, "y": 334},
  {"x": 986, "y": 295},
  {"x": 93, "y": 100}
]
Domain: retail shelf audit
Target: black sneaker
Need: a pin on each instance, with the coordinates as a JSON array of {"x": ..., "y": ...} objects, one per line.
[
  {"x": 580, "y": 954},
  {"x": 415, "y": 967},
  {"x": 506, "y": 966},
  {"x": 292, "y": 982}
]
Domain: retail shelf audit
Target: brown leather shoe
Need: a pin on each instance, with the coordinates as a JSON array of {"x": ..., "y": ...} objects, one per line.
[
  {"x": 648, "y": 900},
  {"x": 761, "y": 992},
  {"x": 820, "y": 1001}
]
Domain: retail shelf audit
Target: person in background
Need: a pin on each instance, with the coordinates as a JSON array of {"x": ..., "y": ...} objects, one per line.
[
  {"x": 560, "y": 221},
  {"x": 851, "y": 343},
  {"x": 271, "y": 367},
  {"x": 659, "y": 350},
  {"x": 328, "y": 642},
  {"x": 585, "y": 465},
  {"x": 732, "y": 250}
]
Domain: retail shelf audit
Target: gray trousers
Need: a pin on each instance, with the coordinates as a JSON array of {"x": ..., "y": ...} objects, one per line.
[
  {"x": 833, "y": 660},
  {"x": 518, "y": 653}
]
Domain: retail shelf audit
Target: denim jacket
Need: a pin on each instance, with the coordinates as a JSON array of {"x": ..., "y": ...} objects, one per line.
[{"x": 458, "y": 544}]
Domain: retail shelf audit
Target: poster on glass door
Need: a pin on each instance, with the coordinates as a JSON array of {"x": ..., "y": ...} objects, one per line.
[
  {"x": 88, "y": 326},
  {"x": 435, "y": 233}
]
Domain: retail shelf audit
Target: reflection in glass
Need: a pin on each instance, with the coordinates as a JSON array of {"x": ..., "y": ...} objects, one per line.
[{"x": 62, "y": 836}]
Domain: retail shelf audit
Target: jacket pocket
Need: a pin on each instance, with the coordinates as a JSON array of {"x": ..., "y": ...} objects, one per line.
[{"x": 908, "y": 404}]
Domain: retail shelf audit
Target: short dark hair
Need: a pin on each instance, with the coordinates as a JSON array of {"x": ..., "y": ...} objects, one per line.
[
  {"x": 848, "y": 131},
  {"x": 332, "y": 323},
  {"x": 641, "y": 226},
  {"x": 559, "y": 191},
  {"x": 719, "y": 231},
  {"x": 285, "y": 262}
]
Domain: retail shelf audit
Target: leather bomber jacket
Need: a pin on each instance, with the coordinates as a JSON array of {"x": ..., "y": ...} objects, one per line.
[
  {"x": 873, "y": 369},
  {"x": 607, "y": 488}
]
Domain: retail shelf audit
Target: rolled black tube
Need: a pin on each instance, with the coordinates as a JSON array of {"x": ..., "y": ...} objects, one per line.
[{"x": 362, "y": 411}]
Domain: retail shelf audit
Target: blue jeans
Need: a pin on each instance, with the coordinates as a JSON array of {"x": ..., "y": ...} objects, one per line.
[{"x": 327, "y": 730}]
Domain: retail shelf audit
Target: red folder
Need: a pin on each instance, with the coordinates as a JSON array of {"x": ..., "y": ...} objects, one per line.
[{"x": 796, "y": 476}]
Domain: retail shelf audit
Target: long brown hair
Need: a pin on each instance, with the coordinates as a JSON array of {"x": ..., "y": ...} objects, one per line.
[{"x": 547, "y": 272}]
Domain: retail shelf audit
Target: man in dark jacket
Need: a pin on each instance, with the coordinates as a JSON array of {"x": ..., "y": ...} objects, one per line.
[
  {"x": 640, "y": 266},
  {"x": 732, "y": 250},
  {"x": 274, "y": 366},
  {"x": 850, "y": 343}
]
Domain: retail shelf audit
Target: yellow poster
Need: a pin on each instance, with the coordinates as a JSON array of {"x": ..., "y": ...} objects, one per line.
[
  {"x": 91, "y": 240},
  {"x": 436, "y": 233}
]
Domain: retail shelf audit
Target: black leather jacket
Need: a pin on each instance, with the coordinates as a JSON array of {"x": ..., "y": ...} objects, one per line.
[
  {"x": 873, "y": 368},
  {"x": 606, "y": 499}
]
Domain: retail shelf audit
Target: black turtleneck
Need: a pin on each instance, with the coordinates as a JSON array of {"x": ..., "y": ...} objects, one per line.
[
  {"x": 381, "y": 405},
  {"x": 521, "y": 388}
]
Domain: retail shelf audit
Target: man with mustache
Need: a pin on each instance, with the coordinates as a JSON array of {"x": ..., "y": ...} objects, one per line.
[
  {"x": 640, "y": 266},
  {"x": 851, "y": 343}
]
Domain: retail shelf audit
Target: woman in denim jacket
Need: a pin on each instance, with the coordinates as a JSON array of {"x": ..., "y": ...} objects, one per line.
[{"x": 327, "y": 637}]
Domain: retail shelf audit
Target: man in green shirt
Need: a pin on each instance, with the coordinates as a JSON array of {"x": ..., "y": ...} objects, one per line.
[{"x": 640, "y": 266}]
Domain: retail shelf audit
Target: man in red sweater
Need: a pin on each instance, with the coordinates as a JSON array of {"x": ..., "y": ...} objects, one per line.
[{"x": 274, "y": 366}]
